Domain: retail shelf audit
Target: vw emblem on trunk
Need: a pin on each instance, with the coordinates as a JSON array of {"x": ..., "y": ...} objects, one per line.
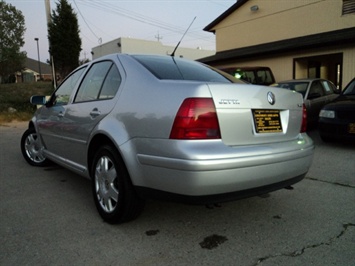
[{"x": 271, "y": 98}]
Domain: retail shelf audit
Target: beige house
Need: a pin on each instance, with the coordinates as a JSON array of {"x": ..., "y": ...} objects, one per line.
[
  {"x": 33, "y": 72},
  {"x": 296, "y": 39},
  {"x": 137, "y": 46}
]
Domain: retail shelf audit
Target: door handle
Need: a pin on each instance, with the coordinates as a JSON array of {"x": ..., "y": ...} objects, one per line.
[{"x": 94, "y": 113}]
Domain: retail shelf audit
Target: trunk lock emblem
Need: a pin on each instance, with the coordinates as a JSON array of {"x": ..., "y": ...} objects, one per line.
[{"x": 271, "y": 98}]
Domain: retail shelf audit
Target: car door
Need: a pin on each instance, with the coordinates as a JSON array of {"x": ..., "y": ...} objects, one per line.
[
  {"x": 94, "y": 99},
  {"x": 317, "y": 98},
  {"x": 51, "y": 116}
]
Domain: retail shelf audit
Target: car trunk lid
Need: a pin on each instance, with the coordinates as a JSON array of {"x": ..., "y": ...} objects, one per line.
[{"x": 250, "y": 114}]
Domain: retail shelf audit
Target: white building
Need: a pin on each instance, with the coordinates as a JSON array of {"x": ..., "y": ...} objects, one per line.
[{"x": 136, "y": 46}]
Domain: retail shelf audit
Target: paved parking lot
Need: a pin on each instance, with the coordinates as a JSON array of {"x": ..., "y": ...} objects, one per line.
[{"x": 47, "y": 217}]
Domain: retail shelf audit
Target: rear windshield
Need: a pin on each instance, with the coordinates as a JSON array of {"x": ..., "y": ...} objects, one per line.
[
  {"x": 300, "y": 87},
  {"x": 257, "y": 75},
  {"x": 168, "y": 67}
]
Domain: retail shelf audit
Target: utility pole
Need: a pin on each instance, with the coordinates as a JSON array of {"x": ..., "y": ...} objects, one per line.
[
  {"x": 49, "y": 20},
  {"x": 39, "y": 61},
  {"x": 158, "y": 37}
]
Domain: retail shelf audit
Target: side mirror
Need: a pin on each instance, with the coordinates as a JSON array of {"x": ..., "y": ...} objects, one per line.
[{"x": 38, "y": 100}]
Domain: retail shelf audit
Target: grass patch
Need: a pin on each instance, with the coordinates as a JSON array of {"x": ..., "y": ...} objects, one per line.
[{"x": 15, "y": 99}]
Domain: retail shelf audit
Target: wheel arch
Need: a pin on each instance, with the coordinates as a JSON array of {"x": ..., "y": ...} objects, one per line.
[
  {"x": 31, "y": 124},
  {"x": 96, "y": 142},
  {"x": 128, "y": 204}
]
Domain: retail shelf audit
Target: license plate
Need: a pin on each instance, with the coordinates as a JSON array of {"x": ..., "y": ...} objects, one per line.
[
  {"x": 351, "y": 128},
  {"x": 267, "y": 121}
]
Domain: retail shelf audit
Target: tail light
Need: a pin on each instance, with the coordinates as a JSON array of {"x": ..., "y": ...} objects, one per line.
[
  {"x": 304, "y": 119},
  {"x": 196, "y": 119}
]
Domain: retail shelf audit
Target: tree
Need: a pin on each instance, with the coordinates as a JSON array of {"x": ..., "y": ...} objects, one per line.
[
  {"x": 12, "y": 29},
  {"x": 64, "y": 39}
]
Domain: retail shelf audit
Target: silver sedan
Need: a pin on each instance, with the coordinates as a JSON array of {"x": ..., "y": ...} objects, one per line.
[{"x": 145, "y": 126}]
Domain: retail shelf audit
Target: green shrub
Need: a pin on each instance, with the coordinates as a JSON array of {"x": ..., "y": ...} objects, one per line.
[{"x": 17, "y": 96}]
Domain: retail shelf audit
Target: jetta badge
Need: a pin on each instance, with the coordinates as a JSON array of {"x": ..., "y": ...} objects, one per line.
[{"x": 271, "y": 98}]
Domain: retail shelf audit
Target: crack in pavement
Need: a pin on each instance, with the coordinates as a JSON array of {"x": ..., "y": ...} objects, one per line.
[
  {"x": 303, "y": 250},
  {"x": 332, "y": 183}
]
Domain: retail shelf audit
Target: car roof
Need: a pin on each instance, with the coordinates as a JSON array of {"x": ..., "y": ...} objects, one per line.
[{"x": 115, "y": 55}]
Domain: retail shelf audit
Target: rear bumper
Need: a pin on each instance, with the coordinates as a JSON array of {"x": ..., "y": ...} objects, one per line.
[
  {"x": 209, "y": 173},
  {"x": 148, "y": 193}
]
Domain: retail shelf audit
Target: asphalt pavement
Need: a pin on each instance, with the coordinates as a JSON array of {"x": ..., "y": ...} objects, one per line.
[{"x": 48, "y": 217}]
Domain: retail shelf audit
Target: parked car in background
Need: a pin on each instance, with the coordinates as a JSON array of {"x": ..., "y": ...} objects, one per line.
[
  {"x": 144, "y": 126},
  {"x": 253, "y": 75},
  {"x": 337, "y": 119},
  {"x": 316, "y": 93}
]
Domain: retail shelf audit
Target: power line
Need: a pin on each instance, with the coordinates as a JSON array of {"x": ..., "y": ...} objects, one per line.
[
  {"x": 140, "y": 18},
  {"x": 85, "y": 21}
]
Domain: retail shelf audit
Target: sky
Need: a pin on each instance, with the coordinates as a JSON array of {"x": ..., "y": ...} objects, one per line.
[{"x": 101, "y": 21}]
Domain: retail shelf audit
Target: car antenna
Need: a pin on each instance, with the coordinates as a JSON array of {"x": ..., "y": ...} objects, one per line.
[{"x": 173, "y": 54}]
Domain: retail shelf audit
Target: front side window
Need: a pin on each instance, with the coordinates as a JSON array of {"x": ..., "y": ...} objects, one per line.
[{"x": 62, "y": 94}]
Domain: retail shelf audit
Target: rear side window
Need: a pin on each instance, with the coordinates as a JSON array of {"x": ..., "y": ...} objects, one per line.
[
  {"x": 111, "y": 84},
  {"x": 101, "y": 82},
  {"x": 179, "y": 69}
]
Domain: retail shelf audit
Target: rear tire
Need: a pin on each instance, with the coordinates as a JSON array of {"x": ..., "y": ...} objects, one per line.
[
  {"x": 32, "y": 148},
  {"x": 114, "y": 195}
]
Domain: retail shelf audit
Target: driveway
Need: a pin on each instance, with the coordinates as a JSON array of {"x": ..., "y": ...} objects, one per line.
[{"x": 47, "y": 217}]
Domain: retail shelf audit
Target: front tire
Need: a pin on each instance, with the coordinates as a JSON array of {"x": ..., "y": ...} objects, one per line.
[
  {"x": 32, "y": 148},
  {"x": 114, "y": 195}
]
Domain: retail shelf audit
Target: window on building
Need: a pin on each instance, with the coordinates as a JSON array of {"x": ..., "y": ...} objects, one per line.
[{"x": 348, "y": 7}]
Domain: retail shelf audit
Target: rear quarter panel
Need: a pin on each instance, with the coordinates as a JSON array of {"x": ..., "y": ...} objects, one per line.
[{"x": 147, "y": 106}]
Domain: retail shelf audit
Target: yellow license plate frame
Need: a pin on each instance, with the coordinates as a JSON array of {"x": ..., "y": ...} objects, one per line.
[{"x": 267, "y": 121}]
